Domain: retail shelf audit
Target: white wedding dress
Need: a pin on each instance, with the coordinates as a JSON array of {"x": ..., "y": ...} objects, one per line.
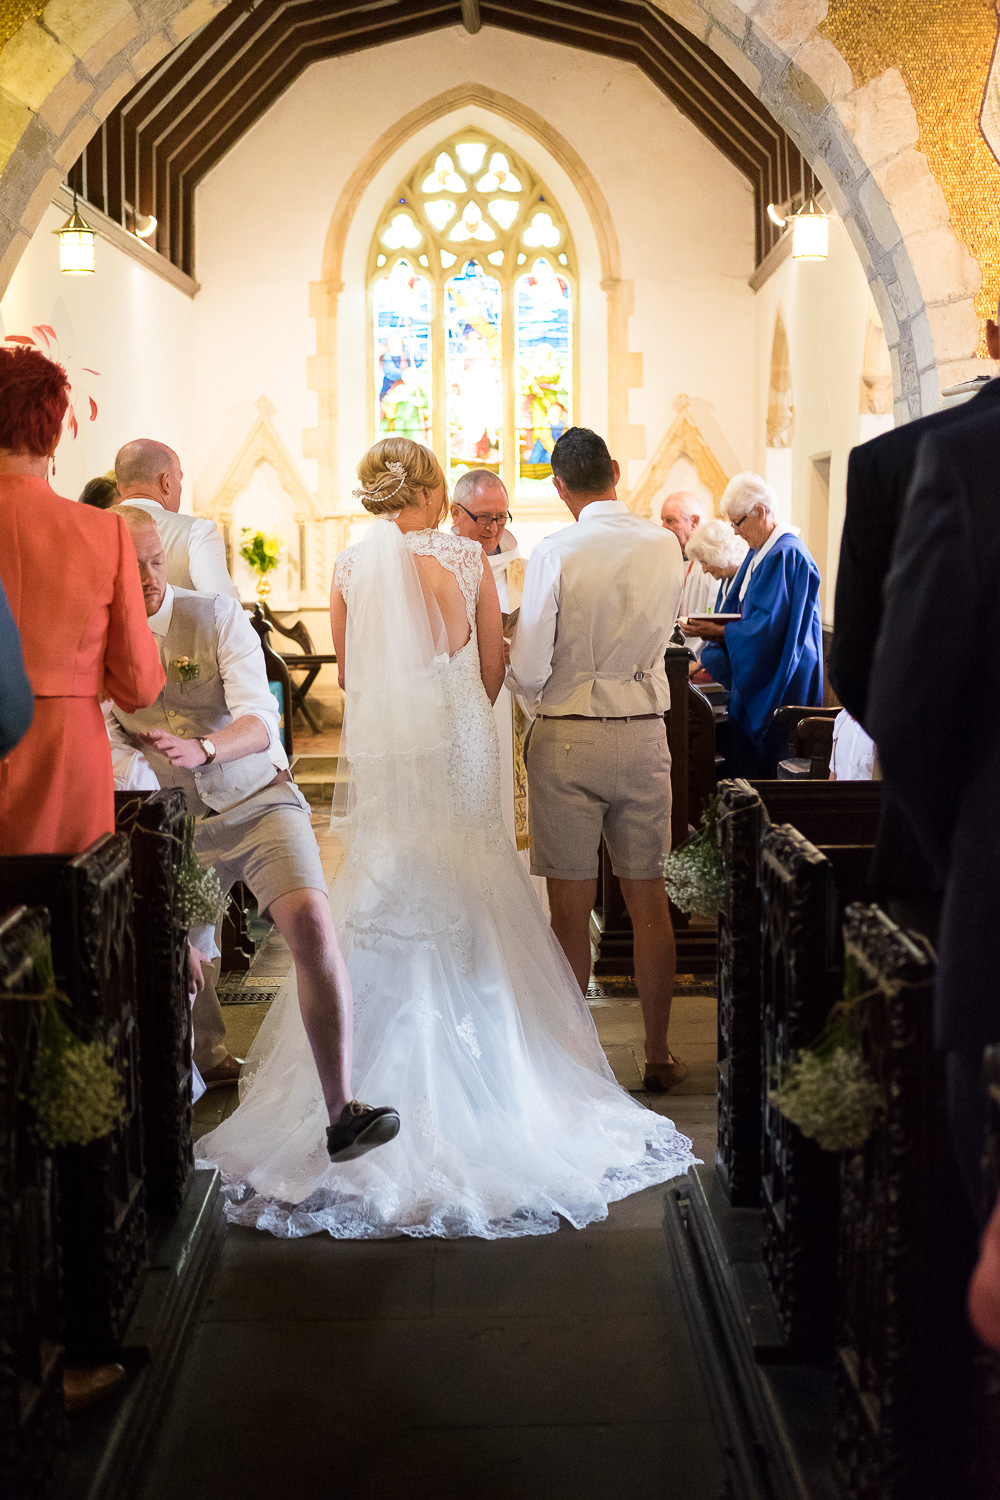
[{"x": 467, "y": 1016}]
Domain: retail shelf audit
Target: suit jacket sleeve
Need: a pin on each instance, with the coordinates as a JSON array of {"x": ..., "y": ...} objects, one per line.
[
  {"x": 133, "y": 676},
  {"x": 17, "y": 703},
  {"x": 864, "y": 562},
  {"x": 924, "y": 742}
]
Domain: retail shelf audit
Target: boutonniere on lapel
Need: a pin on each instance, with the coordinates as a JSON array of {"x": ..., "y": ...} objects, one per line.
[{"x": 187, "y": 670}]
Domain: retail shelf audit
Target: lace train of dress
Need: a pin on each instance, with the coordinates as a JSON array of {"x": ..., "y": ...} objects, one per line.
[{"x": 467, "y": 1019}]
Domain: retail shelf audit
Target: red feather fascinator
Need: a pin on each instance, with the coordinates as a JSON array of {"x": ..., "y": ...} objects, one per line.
[{"x": 44, "y": 339}]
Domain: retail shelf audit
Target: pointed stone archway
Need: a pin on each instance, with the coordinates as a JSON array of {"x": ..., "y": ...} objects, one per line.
[{"x": 70, "y": 62}]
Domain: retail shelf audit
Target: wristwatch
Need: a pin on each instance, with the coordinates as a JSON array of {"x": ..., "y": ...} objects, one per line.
[{"x": 209, "y": 749}]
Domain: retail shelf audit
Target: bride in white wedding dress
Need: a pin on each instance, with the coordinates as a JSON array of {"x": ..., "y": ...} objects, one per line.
[{"x": 467, "y": 1016}]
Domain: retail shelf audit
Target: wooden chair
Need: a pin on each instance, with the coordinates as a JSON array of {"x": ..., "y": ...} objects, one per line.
[
  {"x": 277, "y": 671},
  {"x": 310, "y": 661}
]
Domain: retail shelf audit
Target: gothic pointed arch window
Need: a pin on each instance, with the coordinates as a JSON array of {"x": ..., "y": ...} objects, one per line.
[{"x": 473, "y": 306}]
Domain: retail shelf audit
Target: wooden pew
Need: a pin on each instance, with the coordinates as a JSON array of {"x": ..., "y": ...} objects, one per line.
[
  {"x": 102, "y": 1212},
  {"x": 827, "y": 813},
  {"x": 32, "y": 1427},
  {"x": 154, "y": 824},
  {"x": 691, "y": 739},
  {"x": 804, "y": 891},
  {"x": 906, "y": 1359}
]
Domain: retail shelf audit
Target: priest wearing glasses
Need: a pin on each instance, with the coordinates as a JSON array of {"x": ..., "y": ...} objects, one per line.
[
  {"x": 480, "y": 509},
  {"x": 772, "y": 654}
]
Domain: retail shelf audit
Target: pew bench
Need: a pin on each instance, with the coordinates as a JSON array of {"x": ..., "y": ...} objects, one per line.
[
  {"x": 32, "y": 1424},
  {"x": 826, "y": 813}
]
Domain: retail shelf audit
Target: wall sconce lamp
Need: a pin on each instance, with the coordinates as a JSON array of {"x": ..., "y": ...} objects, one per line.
[
  {"x": 145, "y": 226},
  {"x": 76, "y": 245}
]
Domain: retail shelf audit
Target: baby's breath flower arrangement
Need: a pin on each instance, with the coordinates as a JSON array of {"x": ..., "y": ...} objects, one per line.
[
  {"x": 694, "y": 876},
  {"x": 75, "y": 1090},
  {"x": 828, "y": 1091},
  {"x": 199, "y": 900}
]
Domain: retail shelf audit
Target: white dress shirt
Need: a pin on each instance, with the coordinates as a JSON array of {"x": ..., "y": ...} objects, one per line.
[
  {"x": 241, "y": 667},
  {"x": 195, "y": 551},
  {"x": 853, "y": 755},
  {"x": 613, "y": 583}
]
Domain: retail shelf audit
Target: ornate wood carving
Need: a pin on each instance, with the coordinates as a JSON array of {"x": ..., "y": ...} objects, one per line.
[
  {"x": 738, "y": 1149},
  {"x": 905, "y": 1354},
  {"x": 838, "y": 812},
  {"x": 801, "y": 980},
  {"x": 31, "y": 1405},
  {"x": 154, "y": 824},
  {"x": 102, "y": 1214}
]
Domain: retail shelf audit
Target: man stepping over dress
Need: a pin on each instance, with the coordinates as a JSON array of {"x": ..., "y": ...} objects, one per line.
[
  {"x": 587, "y": 659},
  {"x": 213, "y": 731}
]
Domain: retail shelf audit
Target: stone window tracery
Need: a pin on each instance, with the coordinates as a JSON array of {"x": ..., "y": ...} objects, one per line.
[{"x": 473, "y": 307}]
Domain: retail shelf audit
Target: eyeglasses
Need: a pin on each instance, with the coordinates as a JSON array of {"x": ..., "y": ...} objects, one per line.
[
  {"x": 501, "y": 520},
  {"x": 738, "y": 525}
]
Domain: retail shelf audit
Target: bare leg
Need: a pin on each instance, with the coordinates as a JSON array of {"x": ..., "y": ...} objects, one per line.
[
  {"x": 571, "y": 903},
  {"x": 304, "y": 921},
  {"x": 655, "y": 960}
]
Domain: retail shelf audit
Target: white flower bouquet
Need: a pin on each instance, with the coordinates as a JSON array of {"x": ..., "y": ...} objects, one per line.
[
  {"x": 199, "y": 900},
  {"x": 828, "y": 1091},
  {"x": 75, "y": 1090},
  {"x": 694, "y": 874}
]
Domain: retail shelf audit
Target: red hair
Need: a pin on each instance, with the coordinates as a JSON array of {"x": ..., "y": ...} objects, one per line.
[{"x": 34, "y": 395}]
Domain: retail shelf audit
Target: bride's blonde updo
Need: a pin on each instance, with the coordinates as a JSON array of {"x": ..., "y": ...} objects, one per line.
[{"x": 414, "y": 469}]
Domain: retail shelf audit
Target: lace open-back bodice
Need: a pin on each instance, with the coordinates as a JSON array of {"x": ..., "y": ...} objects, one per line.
[
  {"x": 467, "y": 1016},
  {"x": 474, "y": 760}
]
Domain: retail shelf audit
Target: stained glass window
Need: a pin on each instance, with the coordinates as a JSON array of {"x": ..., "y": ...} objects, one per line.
[
  {"x": 402, "y": 310},
  {"x": 474, "y": 370},
  {"x": 544, "y": 369},
  {"x": 473, "y": 276}
]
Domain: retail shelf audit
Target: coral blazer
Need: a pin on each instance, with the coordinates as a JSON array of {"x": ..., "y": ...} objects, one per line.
[{"x": 72, "y": 582}]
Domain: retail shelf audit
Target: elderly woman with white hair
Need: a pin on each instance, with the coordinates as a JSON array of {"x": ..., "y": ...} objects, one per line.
[
  {"x": 720, "y": 550},
  {"x": 773, "y": 654}
]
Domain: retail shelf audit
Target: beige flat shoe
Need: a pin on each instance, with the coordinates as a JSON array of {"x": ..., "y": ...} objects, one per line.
[{"x": 660, "y": 1078}]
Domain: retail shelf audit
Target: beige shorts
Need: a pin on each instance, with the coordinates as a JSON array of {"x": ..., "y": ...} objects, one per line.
[
  {"x": 592, "y": 777},
  {"x": 267, "y": 842}
]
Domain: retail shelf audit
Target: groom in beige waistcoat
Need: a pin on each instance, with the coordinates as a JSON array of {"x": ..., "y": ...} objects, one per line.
[
  {"x": 480, "y": 509},
  {"x": 587, "y": 661}
]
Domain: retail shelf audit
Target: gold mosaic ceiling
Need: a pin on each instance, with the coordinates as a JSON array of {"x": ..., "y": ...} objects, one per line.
[
  {"x": 943, "y": 49},
  {"x": 14, "y": 13}
]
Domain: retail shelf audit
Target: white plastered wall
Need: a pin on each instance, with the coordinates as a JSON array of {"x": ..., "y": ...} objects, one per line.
[
  {"x": 128, "y": 324},
  {"x": 682, "y": 214},
  {"x": 825, "y": 306}
]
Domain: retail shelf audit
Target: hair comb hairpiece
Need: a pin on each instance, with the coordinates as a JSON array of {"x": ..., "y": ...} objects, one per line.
[{"x": 372, "y": 494}]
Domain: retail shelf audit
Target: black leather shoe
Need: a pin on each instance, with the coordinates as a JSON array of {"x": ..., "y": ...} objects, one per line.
[{"x": 359, "y": 1129}]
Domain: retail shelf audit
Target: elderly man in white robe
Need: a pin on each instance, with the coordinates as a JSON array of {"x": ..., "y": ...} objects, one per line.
[
  {"x": 480, "y": 509},
  {"x": 682, "y": 513}
]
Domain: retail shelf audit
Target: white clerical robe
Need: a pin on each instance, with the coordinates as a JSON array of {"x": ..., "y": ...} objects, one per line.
[
  {"x": 697, "y": 597},
  {"x": 508, "y": 573}
]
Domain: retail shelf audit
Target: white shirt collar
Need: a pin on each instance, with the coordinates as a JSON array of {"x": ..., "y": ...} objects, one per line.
[
  {"x": 762, "y": 551},
  {"x": 159, "y": 623},
  {"x": 144, "y": 501},
  {"x": 604, "y": 508}
]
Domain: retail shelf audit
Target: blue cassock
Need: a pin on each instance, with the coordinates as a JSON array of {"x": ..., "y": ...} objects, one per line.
[{"x": 772, "y": 655}]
